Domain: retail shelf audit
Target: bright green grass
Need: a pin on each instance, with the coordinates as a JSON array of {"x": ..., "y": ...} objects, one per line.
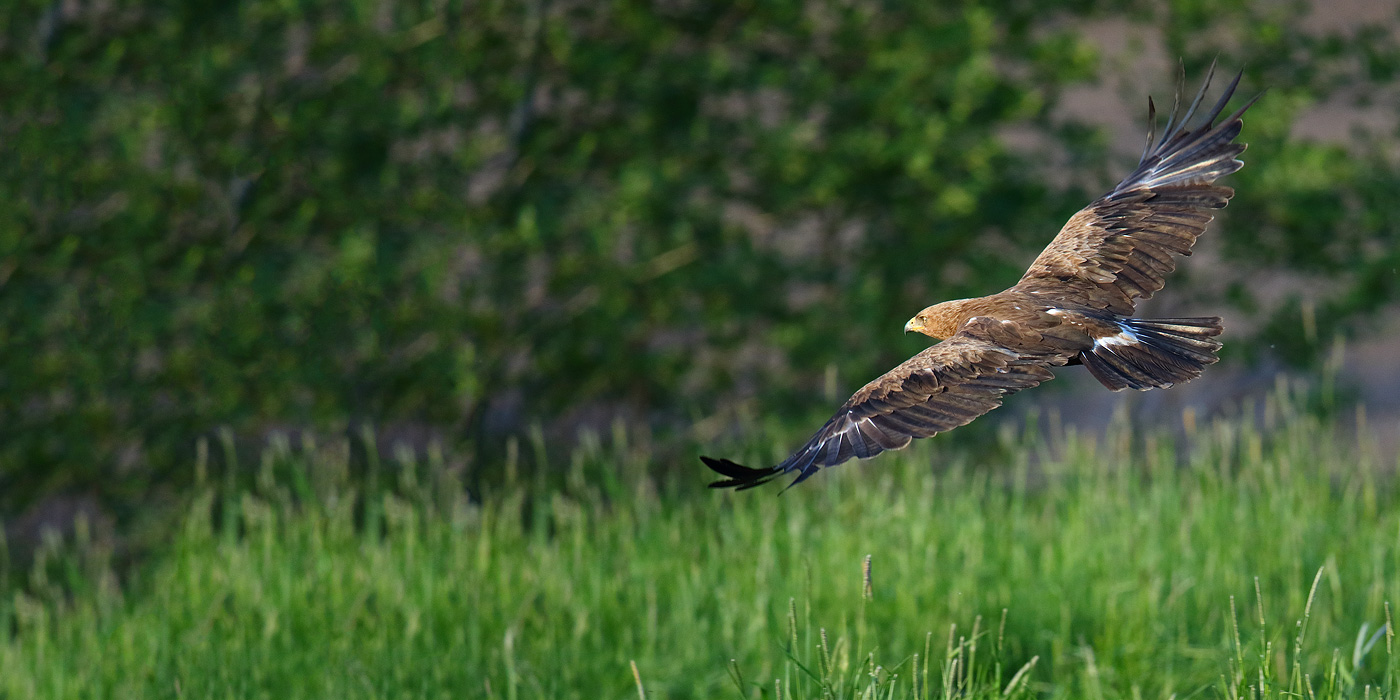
[{"x": 1108, "y": 570}]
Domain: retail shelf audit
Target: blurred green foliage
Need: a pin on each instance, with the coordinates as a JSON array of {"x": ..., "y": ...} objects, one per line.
[{"x": 460, "y": 218}]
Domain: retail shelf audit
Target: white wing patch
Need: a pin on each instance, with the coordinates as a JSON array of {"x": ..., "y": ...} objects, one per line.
[{"x": 1125, "y": 336}]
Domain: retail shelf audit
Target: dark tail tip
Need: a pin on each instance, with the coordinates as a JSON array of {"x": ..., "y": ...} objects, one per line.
[{"x": 739, "y": 476}]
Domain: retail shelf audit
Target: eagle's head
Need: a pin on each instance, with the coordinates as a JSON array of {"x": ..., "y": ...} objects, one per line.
[{"x": 939, "y": 321}]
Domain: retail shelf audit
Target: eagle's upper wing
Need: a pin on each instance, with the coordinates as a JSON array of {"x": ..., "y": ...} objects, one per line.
[
  {"x": 1120, "y": 248},
  {"x": 939, "y": 389}
]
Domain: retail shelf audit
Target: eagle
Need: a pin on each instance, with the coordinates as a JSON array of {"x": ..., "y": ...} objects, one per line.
[{"x": 1074, "y": 306}]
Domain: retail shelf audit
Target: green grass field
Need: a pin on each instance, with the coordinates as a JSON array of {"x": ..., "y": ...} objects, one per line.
[{"x": 1232, "y": 562}]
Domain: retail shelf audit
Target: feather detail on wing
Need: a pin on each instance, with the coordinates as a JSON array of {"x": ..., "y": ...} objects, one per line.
[
  {"x": 1120, "y": 248},
  {"x": 941, "y": 388}
]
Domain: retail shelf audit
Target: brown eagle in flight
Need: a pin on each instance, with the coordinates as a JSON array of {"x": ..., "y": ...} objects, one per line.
[{"x": 1073, "y": 306}]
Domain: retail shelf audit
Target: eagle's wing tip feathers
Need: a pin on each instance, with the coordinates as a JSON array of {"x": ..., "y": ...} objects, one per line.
[{"x": 739, "y": 477}]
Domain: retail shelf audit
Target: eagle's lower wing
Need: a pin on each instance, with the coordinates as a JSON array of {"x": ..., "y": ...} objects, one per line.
[
  {"x": 1120, "y": 248},
  {"x": 939, "y": 389}
]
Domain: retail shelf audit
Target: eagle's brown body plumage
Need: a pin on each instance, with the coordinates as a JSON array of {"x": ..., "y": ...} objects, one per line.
[{"x": 1074, "y": 305}]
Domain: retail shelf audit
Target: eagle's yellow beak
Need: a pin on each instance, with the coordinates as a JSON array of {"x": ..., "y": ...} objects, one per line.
[{"x": 913, "y": 326}]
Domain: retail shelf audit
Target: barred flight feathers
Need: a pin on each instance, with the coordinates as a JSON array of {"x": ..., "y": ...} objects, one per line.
[
  {"x": 941, "y": 388},
  {"x": 1121, "y": 247}
]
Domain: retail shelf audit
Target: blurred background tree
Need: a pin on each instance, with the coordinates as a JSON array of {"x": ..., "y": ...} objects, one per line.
[{"x": 452, "y": 221}]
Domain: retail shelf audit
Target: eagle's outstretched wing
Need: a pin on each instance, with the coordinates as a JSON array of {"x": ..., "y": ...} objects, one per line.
[
  {"x": 1120, "y": 248},
  {"x": 939, "y": 389}
]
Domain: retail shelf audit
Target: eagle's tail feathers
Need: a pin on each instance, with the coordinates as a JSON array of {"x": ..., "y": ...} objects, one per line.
[{"x": 1153, "y": 353}]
